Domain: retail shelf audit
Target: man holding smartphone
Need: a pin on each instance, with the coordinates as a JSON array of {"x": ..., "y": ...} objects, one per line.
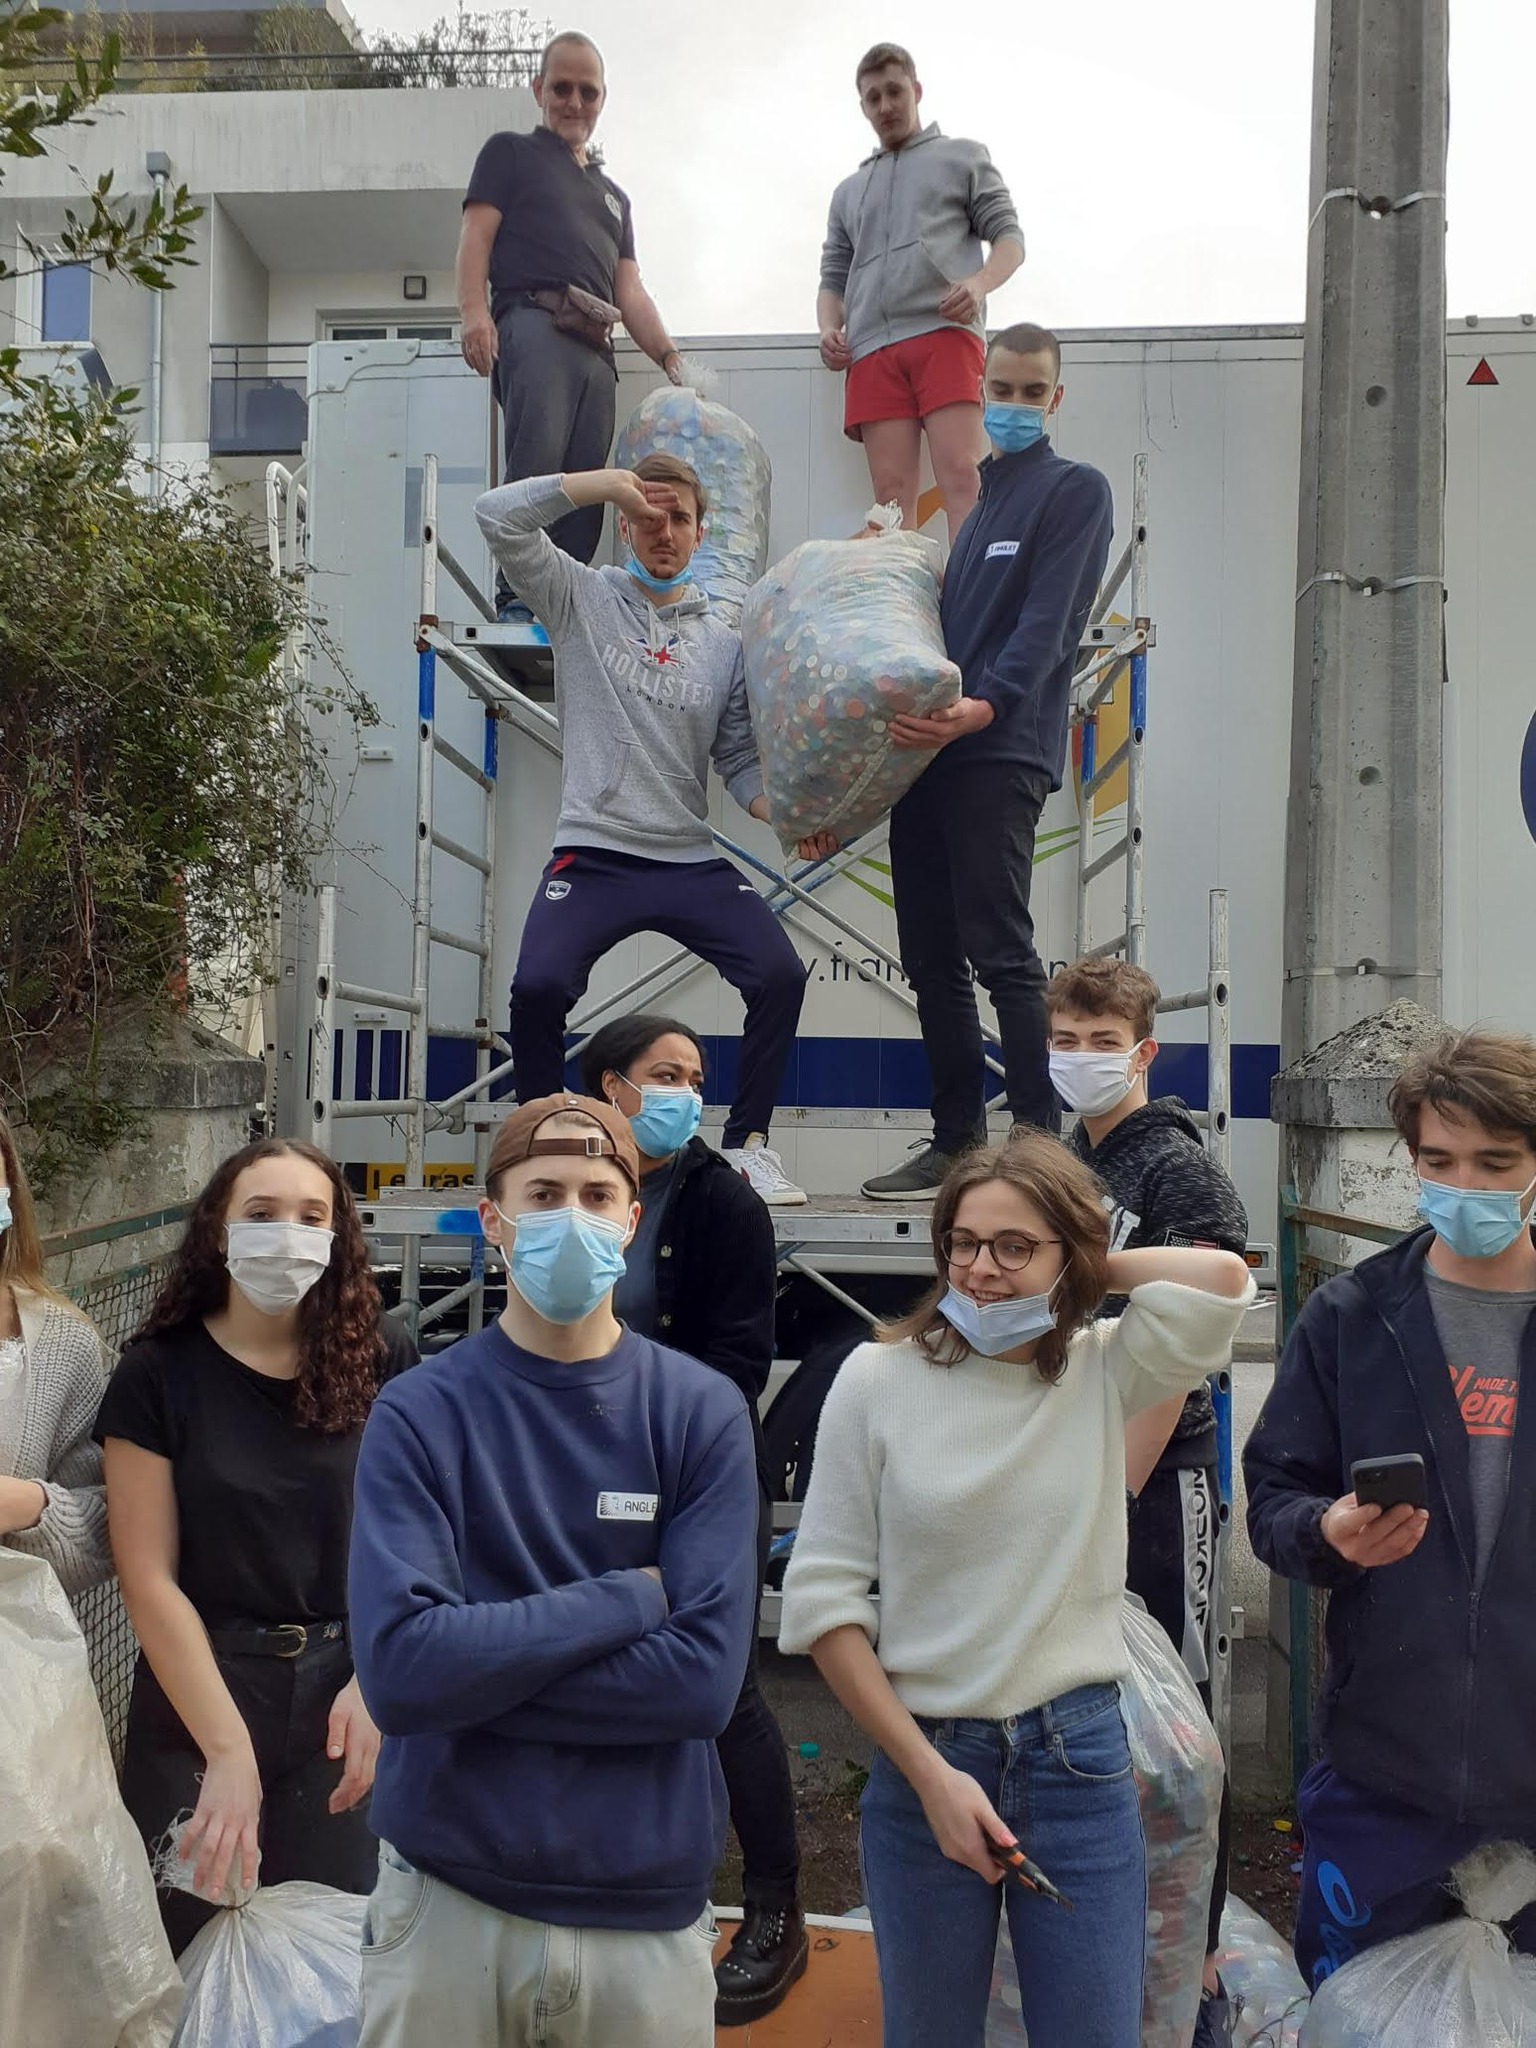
[{"x": 1424, "y": 1727}]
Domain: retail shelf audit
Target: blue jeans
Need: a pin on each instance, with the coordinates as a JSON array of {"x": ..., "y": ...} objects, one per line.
[{"x": 1060, "y": 1776}]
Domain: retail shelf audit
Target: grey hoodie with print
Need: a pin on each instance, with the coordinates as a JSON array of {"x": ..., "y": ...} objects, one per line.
[
  {"x": 907, "y": 225},
  {"x": 647, "y": 695}
]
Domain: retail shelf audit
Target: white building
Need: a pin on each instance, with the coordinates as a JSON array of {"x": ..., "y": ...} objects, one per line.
[{"x": 330, "y": 213}]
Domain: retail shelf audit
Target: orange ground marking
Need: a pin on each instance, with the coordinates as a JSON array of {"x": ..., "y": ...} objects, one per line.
[{"x": 836, "y": 2004}]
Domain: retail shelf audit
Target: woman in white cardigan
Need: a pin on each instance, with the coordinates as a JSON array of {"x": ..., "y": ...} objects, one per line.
[
  {"x": 958, "y": 1577},
  {"x": 52, "y": 1375}
]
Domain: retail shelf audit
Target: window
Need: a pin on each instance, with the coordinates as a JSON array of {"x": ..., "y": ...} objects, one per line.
[
  {"x": 392, "y": 330},
  {"x": 66, "y": 302}
]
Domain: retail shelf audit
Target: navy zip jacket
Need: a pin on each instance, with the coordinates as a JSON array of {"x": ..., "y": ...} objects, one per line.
[
  {"x": 1430, "y": 1682},
  {"x": 548, "y": 1709},
  {"x": 1020, "y": 584}
]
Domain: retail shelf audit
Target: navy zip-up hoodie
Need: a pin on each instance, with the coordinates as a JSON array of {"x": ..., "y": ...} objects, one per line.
[
  {"x": 1431, "y": 1678},
  {"x": 1021, "y": 581},
  {"x": 548, "y": 1709}
]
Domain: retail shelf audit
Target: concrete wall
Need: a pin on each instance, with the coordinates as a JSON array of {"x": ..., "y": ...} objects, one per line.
[
  {"x": 240, "y": 282},
  {"x": 301, "y": 303}
]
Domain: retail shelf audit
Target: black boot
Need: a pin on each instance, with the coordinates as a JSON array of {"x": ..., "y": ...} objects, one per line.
[{"x": 766, "y": 1958}]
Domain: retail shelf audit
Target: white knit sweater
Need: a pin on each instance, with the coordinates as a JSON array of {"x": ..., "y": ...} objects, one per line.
[
  {"x": 47, "y": 1412},
  {"x": 990, "y": 1507}
]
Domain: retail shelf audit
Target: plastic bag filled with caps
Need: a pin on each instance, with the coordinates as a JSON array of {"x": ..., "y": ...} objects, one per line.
[
  {"x": 1455, "y": 1985},
  {"x": 840, "y": 638},
  {"x": 1178, "y": 1765},
  {"x": 283, "y": 1969},
  {"x": 732, "y": 465},
  {"x": 1262, "y": 1980}
]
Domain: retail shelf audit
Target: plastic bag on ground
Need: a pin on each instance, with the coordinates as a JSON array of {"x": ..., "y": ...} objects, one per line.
[
  {"x": 284, "y": 1971},
  {"x": 732, "y": 465},
  {"x": 83, "y": 1959},
  {"x": 1455, "y": 1985},
  {"x": 1178, "y": 1765},
  {"x": 1261, "y": 1977},
  {"x": 840, "y": 638}
]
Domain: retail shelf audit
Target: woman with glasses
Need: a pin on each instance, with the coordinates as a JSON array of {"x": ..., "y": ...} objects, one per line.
[
  {"x": 972, "y": 1462},
  {"x": 701, "y": 1274}
]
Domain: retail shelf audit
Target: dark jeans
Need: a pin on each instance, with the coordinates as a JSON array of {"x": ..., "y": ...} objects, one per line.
[
  {"x": 962, "y": 849},
  {"x": 703, "y": 904},
  {"x": 557, "y": 399},
  {"x": 285, "y": 1704},
  {"x": 756, "y": 1767},
  {"x": 1373, "y": 1869},
  {"x": 1060, "y": 1777},
  {"x": 1172, "y": 1566}
]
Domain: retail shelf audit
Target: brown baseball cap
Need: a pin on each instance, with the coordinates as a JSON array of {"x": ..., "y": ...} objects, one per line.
[{"x": 519, "y": 1137}]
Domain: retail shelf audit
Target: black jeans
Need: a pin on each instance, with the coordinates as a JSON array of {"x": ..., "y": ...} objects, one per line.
[
  {"x": 558, "y": 400},
  {"x": 756, "y": 1767},
  {"x": 285, "y": 1704},
  {"x": 962, "y": 850},
  {"x": 1168, "y": 1528}
]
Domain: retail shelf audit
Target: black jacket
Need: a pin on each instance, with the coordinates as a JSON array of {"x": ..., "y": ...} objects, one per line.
[
  {"x": 1431, "y": 1682},
  {"x": 1169, "y": 1190},
  {"x": 717, "y": 1276}
]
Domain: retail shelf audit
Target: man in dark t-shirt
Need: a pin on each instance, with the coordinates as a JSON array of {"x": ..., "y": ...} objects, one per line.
[{"x": 541, "y": 217}]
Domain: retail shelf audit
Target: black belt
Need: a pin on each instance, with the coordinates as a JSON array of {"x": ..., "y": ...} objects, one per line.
[{"x": 288, "y": 1639}]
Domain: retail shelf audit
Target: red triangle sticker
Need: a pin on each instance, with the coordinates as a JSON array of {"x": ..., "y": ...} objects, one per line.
[{"x": 1482, "y": 374}]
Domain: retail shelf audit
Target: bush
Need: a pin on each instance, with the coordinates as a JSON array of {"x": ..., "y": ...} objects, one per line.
[{"x": 158, "y": 785}]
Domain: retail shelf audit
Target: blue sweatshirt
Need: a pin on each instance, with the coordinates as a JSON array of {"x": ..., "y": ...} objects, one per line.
[
  {"x": 548, "y": 1710},
  {"x": 1021, "y": 581},
  {"x": 1431, "y": 1673}
]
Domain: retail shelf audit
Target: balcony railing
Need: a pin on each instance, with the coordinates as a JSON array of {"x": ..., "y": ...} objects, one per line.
[
  {"x": 381, "y": 69},
  {"x": 258, "y": 402}
]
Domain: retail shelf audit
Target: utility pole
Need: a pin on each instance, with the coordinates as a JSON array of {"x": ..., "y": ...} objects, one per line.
[{"x": 1363, "y": 841}]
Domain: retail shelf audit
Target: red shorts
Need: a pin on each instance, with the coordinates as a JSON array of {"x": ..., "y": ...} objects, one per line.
[{"x": 911, "y": 379}]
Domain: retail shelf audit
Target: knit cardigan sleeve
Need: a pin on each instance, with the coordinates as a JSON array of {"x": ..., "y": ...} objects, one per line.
[
  {"x": 67, "y": 1370},
  {"x": 1168, "y": 1340},
  {"x": 836, "y": 1557}
]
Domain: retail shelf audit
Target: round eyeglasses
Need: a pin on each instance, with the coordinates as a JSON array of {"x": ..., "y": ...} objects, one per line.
[{"x": 1011, "y": 1250}]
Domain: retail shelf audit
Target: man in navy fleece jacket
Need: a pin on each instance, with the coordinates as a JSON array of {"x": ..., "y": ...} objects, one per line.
[
  {"x": 551, "y": 1603},
  {"x": 1017, "y": 593}
]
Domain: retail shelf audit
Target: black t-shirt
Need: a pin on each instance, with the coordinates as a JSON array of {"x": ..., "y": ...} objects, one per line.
[
  {"x": 264, "y": 1505},
  {"x": 560, "y": 224}
]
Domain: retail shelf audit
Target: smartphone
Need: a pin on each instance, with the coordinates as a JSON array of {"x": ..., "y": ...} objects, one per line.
[{"x": 1390, "y": 1482}]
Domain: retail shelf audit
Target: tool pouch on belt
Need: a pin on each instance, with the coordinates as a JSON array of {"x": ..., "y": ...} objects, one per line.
[{"x": 582, "y": 314}]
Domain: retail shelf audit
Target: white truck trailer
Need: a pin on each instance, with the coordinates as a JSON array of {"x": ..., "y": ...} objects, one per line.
[{"x": 1216, "y": 415}]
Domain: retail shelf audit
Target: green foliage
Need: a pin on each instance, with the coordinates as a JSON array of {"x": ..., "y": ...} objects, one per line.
[
  {"x": 42, "y": 91},
  {"x": 157, "y": 783}
]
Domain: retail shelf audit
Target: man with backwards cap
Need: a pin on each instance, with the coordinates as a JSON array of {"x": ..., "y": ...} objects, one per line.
[{"x": 551, "y": 1606}]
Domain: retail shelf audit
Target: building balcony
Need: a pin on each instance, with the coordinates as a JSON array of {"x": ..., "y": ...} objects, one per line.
[{"x": 258, "y": 398}]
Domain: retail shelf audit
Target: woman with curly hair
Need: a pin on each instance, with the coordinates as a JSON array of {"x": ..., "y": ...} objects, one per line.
[
  {"x": 973, "y": 1460},
  {"x": 52, "y": 1371},
  {"x": 231, "y": 1429}
]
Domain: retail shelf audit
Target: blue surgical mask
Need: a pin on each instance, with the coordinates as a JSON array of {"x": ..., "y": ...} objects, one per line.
[
  {"x": 1477, "y": 1223},
  {"x": 658, "y": 586},
  {"x": 1013, "y": 428},
  {"x": 563, "y": 1261},
  {"x": 6, "y": 1218},
  {"x": 666, "y": 1119},
  {"x": 997, "y": 1326}
]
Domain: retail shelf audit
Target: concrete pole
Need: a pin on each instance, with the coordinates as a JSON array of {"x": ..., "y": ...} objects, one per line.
[{"x": 1363, "y": 853}]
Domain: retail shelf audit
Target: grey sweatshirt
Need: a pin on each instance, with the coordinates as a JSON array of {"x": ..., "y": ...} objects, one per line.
[
  {"x": 907, "y": 225},
  {"x": 647, "y": 695}
]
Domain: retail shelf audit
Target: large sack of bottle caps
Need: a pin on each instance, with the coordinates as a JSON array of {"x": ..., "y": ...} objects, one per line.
[
  {"x": 732, "y": 464},
  {"x": 1178, "y": 1765},
  {"x": 839, "y": 639},
  {"x": 1454, "y": 1985}
]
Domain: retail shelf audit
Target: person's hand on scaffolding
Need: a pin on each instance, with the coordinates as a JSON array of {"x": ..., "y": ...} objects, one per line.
[
  {"x": 479, "y": 343},
  {"x": 818, "y": 846},
  {"x": 351, "y": 1740},
  {"x": 953, "y": 722}
]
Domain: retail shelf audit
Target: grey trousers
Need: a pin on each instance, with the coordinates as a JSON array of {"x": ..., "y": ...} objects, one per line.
[
  {"x": 557, "y": 407},
  {"x": 441, "y": 1968}
]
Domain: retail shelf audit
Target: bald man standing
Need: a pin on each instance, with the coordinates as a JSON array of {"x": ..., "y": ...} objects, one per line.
[{"x": 549, "y": 238}]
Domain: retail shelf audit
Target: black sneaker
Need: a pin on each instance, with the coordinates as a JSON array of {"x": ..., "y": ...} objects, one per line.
[
  {"x": 918, "y": 1181},
  {"x": 768, "y": 1955},
  {"x": 1216, "y": 2020}
]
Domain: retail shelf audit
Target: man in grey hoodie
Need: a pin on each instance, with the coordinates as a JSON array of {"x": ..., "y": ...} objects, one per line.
[
  {"x": 649, "y": 690},
  {"x": 902, "y": 305}
]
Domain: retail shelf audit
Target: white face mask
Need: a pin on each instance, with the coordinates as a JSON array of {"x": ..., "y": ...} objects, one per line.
[
  {"x": 1093, "y": 1083},
  {"x": 274, "y": 1265}
]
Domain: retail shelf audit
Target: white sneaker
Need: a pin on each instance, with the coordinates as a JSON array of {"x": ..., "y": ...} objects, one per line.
[{"x": 761, "y": 1166}]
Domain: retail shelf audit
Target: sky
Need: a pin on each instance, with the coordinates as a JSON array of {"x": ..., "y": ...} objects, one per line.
[{"x": 1157, "y": 150}]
